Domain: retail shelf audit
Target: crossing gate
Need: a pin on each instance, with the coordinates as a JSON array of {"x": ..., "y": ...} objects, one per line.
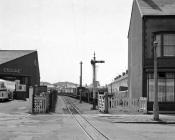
[
  {"x": 41, "y": 104},
  {"x": 38, "y": 103},
  {"x": 101, "y": 102}
]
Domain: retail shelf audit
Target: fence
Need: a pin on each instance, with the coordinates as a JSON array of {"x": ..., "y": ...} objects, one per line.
[
  {"x": 101, "y": 103},
  {"x": 124, "y": 104},
  {"x": 43, "y": 102},
  {"x": 143, "y": 104}
]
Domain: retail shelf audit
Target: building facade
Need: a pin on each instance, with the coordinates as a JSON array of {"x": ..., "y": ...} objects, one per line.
[
  {"x": 151, "y": 21},
  {"x": 20, "y": 65},
  {"x": 119, "y": 85}
]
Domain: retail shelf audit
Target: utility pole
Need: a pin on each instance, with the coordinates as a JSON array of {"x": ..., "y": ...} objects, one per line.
[
  {"x": 155, "y": 106},
  {"x": 93, "y": 62},
  {"x": 111, "y": 88},
  {"x": 80, "y": 90}
]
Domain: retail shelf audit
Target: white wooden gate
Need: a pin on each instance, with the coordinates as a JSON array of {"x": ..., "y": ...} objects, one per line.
[{"x": 101, "y": 102}]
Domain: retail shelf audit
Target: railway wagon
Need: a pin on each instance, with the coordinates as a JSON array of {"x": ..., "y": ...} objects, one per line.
[
  {"x": 72, "y": 92},
  {"x": 87, "y": 93},
  {"x": 84, "y": 93}
]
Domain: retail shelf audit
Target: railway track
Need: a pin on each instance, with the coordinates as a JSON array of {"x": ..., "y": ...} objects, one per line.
[{"x": 91, "y": 131}]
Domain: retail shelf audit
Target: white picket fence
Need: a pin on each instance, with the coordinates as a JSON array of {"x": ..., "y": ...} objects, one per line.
[
  {"x": 101, "y": 103},
  {"x": 125, "y": 104},
  {"x": 143, "y": 104}
]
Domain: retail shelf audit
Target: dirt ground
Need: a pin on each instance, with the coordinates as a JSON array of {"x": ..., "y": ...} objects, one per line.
[{"x": 17, "y": 124}]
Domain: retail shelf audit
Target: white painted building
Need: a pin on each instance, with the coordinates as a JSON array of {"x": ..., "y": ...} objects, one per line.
[{"x": 119, "y": 84}]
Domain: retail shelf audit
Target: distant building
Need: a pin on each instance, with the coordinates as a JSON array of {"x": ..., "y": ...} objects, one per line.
[
  {"x": 152, "y": 20},
  {"x": 65, "y": 87},
  {"x": 119, "y": 84}
]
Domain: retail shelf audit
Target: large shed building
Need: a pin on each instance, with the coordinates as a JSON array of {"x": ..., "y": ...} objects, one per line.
[{"x": 21, "y": 65}]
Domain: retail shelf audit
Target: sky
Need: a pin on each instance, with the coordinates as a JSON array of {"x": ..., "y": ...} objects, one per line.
[{"x": 65, "y": 32}]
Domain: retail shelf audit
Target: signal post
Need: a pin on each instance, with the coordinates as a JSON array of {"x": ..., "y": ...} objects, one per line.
[{"x": 93, "y": 62}]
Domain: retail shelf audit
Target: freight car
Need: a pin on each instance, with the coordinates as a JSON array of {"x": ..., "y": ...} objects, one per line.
[
  {"x": 86, "y": 93},
  {"x": 72, "y": 92}
]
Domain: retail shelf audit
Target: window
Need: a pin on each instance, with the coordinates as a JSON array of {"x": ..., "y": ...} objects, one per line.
[
  {"x": 169, "y": 87},
  {"x": 166, "y": 85},
  {"x": 166, "y": 44},
  {"x": 150, "y": 87}
]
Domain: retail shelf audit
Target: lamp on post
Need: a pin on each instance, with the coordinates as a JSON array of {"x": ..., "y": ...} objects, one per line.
[{"x": 155, "y": 105}]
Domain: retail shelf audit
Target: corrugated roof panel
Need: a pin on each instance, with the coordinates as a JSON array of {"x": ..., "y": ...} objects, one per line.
[
  {"x": 8, "y": 55},
  {"x": 156, "y": 7}
]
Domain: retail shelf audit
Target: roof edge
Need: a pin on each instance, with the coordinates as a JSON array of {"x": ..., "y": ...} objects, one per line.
[
  {"x": 31, "y": 52},
  {"x": 139, "y": 8},
  {"x": 130, "y": 18},
  {"x": 136, "y": 1},
  {"x": 18, "y": 50}
]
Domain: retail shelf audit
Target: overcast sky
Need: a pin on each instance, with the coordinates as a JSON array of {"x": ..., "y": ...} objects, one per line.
[{"x": 65, "y": 32}]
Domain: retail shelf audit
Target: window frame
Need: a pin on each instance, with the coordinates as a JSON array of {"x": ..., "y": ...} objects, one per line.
[
  {"x": 150, "y": 76},
  {"x": 162, "y": 33}
]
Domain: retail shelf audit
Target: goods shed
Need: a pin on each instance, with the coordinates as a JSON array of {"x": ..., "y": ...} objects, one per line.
[{"x": 20, "y": 66}]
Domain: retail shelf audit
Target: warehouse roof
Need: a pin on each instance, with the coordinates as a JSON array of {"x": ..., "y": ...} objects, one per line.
[
  {"x": 156, "y": 7},
  {"x": 8, "y": 55}
]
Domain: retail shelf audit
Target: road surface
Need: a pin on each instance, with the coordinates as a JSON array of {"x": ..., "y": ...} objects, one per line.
[{"x": 17, "y": 124}]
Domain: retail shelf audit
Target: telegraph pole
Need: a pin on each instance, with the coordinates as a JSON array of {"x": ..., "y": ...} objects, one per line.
[
  {"x": 93, "y": 62},
  {"x": 155, "y": 106},
  {"x": 111, "y": 88},
  {"x": 80, "y": 90}
]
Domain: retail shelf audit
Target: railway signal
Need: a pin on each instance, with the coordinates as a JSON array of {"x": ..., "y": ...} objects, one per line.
[{"x": 93, "y": 62}]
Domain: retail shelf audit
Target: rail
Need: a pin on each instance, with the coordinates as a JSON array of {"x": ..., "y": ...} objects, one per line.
[{"x": 91, "y": 131}]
